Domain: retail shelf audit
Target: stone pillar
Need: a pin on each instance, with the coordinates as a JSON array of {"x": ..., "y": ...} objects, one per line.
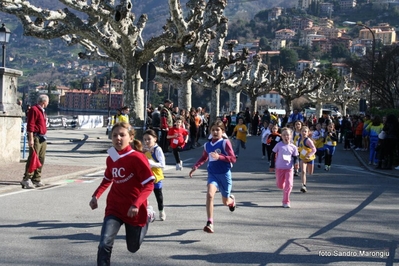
[{"x": 10, "y": 116}]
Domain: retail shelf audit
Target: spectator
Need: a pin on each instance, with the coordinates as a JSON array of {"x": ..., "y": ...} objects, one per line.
[
  {"x": 36, "y": 132},
  {"x": 255, "y": 124},
  {"x": 266, "y": 117},
  {"x": 119, "y": 117},
  {"x": 166, "y": 124},
  {"x": 125, "y": 112},
  {"x": 247, "y": 119},
  {"x": 391, "y": 129},
  {"x": 156, "y": 120},
  {"x": 295, "y": 116}
]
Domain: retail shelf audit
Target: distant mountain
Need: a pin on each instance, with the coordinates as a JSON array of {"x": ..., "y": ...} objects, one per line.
[
  {"x": 46, "y": 60},
  {"x": 158, "y": 12}
]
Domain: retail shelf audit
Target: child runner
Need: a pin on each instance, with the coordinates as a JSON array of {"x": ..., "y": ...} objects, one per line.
[
  {"x": 295, "y": 137},
  {"x": 156, "y": 158},
  {"x": 318, "y": 139},
  {"x": 286, "y": 158},
  {"x": 307, "y": 150},
  {"x": 221, "y": 157},
  {"x": 240, "y": 132},
  {"x": 272, "y": 140},
  {"x": 329, "y": 145},
  {"x": 129, "y": 175},
  {"x": 178, "y": 137},
  {"x": 265, "y": 132}
]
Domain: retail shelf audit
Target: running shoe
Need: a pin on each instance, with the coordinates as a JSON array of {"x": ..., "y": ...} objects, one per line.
[
  {"x": 232, "y": 206},
  {"x": 151, "y": 214},
  {"x": 208, "y": 227},
  {"x": 286, "y": 205},
  {"x": 303, "y": 188},
  {"x": 162, "y": 215}
]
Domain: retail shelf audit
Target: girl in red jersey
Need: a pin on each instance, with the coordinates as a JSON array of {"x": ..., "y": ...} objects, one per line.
[
  {"x": 178, "y": 137},
  {"x": 129, "y": 173}
]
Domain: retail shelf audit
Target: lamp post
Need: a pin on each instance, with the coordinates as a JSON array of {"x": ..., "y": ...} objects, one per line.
[
  {"x": 111, "y": 66},
  {"x": 372, "y": 61},
  {"x": 4, "y": 39}
]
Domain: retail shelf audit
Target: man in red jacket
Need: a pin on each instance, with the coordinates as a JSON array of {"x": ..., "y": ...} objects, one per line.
[{"x": 36, "y": 130}]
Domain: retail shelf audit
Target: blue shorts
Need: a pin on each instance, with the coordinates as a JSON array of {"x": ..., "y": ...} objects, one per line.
[
  {"x": 310, "y": 162},
  {"x": 222, "y": 182},
  {"x": 158, "y": 185}
]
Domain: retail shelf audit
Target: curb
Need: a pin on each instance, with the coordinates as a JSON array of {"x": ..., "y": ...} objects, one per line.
[{"x": 385, "y": 173}]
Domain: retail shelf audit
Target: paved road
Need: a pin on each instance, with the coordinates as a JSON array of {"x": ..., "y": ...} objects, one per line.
[{"x": 348, "y": 217}]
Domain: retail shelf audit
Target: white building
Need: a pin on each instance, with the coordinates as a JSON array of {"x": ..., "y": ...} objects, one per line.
[{"x": 270, "y": 100}]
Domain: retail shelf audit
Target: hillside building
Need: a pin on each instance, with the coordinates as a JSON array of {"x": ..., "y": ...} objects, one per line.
[
  {"x": 383, "y": 32},
  {"x": 274, "y": 13}
]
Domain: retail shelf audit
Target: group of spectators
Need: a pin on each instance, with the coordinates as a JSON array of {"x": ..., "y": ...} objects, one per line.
[{"x": 375, "y": 134}]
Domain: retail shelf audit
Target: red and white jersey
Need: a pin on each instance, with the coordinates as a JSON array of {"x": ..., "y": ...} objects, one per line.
[{"x": 132, "y": 182}]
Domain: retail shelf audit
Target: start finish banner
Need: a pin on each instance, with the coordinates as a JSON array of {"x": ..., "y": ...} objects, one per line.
[{"x": 78, "y": 121}]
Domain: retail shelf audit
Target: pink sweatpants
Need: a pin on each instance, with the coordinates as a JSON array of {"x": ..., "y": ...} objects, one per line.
[{"x": 285, "y": 181}]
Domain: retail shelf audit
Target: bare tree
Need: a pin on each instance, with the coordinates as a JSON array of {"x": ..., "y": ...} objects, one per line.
[
  {"x": 108, "y": 33},
  {"x": 291, "y": 87}
]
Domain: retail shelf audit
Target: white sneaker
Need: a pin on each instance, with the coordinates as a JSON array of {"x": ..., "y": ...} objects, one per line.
[
  {"x": 286, "y": 205},
  {"x": 151, "y": 214},
  {"x": 181, "y": 165},
  {"x": 162, "y": 215},
  {"x": 177, "y": 167}
]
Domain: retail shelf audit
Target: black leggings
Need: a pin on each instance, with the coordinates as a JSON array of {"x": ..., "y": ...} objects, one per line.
[
  {"x": 328, "y": 158},
  {"x": 176, "y": 154},
  {"x": 159, "y": 197}
]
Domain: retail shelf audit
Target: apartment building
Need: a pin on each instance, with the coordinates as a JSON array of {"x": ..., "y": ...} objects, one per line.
[
  {"x": 384, "y": 33},
  {"x": 309, "y": 38},
  {"x": 326, "y": 23},
  {"x": 277, "y": 44},
  {"x": 301, "y": 23},
  {"x": 285, "y": 34},
  {"x": 329, "y": 33},
  {"x": 347, "y": 4},
  {"x": 304, "y": 4},
  {"x": 326, "y": 9}
]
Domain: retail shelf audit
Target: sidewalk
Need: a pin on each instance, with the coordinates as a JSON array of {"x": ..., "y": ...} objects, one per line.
[
  {"x": 363, "y": 158},
  {"x": 70, "y": 153}
]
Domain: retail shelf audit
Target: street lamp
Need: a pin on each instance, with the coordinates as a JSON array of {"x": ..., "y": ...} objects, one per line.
[
  {"x": 4, "y": 39},
  {"x": 372, "y": 61},
  {"x": 111, "y": 66}
]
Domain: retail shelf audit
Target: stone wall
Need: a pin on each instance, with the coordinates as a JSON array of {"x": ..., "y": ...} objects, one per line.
[
  {"x": 10, "y": 139},
  {"x": 10, "y": 116}
]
